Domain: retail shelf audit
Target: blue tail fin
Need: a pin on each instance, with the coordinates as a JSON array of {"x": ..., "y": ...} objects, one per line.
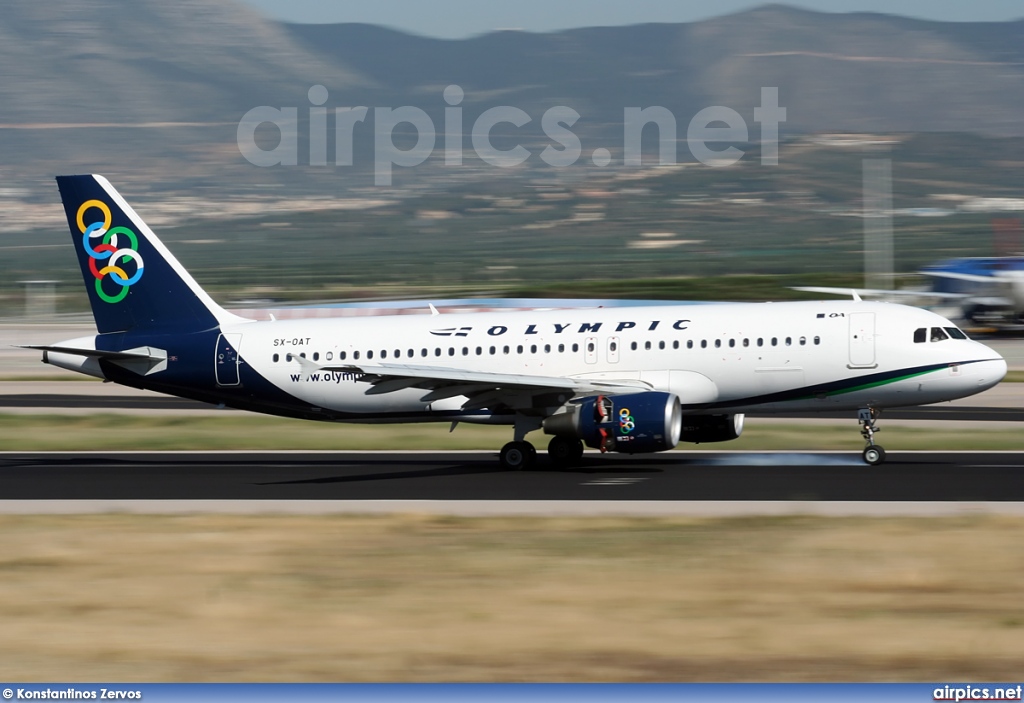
[{"x": 134, "y": 282}]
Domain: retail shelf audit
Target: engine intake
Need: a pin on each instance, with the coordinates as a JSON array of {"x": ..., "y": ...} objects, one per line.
[
  {"x": 636, "y": 423},
  {"x": 711, "y": 428}
]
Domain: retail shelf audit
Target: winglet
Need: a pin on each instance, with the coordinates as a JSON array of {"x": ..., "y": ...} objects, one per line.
[{"x": 433, "y": 310}]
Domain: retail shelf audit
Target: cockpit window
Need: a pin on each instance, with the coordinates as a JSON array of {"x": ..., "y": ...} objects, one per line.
[
  {"x": 921, "y": 335},
  {"x": 938, "y": 334},
  {"x": 956, "y": 333}
]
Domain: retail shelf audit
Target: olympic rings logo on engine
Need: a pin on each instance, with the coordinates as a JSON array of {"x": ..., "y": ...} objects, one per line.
[
  {"x": 626, "y": 423},
  {"x": 108, "y": 250}
]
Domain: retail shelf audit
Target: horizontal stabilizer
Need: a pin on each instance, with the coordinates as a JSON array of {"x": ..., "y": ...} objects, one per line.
[
  {"x": 141, "y": 360},
  {"x": 141, "y": 354}
]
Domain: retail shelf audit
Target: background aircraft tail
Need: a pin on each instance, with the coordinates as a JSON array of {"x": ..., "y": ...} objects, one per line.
[{"x": 134, "y": 282}]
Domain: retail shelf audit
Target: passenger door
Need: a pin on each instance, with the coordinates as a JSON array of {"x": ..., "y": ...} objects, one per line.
[{"x": 862, "y": 340}]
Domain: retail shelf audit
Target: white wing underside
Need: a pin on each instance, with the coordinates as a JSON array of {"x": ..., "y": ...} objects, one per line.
[{"x": 482, "y": 389}]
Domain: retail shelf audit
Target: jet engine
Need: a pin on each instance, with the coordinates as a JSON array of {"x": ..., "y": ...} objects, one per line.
[{"x": 636, "y": 423}]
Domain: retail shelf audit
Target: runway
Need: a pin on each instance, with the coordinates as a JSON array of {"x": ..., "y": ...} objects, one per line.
[{"x": 456, "y": 477}]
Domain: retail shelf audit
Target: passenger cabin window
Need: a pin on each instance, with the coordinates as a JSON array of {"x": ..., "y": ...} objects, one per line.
[
  {"x": 921, "y": 335},
  {"x": 938, "y": 334}
]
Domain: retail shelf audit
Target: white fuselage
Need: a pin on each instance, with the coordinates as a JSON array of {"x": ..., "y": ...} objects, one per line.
[{"x": 732, "y": 357}]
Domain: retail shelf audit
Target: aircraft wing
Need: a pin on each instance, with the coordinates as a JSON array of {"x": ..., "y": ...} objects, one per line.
[
  {"x": 483, "y": 389},
  {"x": 881, "y": 293},
  {"x": 972, "y": 277}
]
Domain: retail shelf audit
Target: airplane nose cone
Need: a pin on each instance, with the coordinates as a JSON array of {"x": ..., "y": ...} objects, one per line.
[{"x": 989, "y": 373}]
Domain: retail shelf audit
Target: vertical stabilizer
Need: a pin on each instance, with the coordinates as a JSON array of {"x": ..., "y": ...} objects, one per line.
[{"x": 133, "y": 281}]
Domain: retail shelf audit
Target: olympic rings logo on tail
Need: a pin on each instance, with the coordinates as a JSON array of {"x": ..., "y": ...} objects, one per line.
[
  {"x": 626, "y": 423},
  {"x": 107, "y": 250}
]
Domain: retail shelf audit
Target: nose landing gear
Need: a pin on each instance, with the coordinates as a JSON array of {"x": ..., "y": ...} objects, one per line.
[{"x": 873, "y": 454}]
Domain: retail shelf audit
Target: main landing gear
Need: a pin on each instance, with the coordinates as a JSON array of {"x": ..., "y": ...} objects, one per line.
[
  {"x": 520, "y": 455},
  {"x": 873, "y": 454},
  {"x": 517, "y": 456}
]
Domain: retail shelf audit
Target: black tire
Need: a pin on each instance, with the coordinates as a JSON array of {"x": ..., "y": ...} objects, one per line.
[
  {"x": 565, "y": 452},
  {"x": 517, "y": 456},
  {"x": 873, "y": 455}
]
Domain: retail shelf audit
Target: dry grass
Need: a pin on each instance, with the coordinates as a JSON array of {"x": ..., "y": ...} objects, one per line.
[{"x": 415, "y": 598}]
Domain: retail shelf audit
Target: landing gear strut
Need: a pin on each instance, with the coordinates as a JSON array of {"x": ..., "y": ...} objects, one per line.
[{"x": 873, "y": 454}]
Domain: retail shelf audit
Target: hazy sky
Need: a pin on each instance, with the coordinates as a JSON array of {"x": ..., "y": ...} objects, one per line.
[{"x": 462, "y": 18}]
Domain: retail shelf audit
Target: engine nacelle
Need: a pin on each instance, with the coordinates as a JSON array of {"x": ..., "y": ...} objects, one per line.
[
  {"x": 711, "y": 428},
  {"x": 634, "y": 424}
]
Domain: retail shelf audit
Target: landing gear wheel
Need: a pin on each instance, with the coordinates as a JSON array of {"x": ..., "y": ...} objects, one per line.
[
  {"x": 516, "y": 456},
  {"x": 565, "y": 452},
  {"x": 874, "y": 455}
]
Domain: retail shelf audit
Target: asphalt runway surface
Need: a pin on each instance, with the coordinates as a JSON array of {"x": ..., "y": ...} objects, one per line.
[
  {"x": 476, "y": 476},
  {"x": 57, "y": 402}
]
